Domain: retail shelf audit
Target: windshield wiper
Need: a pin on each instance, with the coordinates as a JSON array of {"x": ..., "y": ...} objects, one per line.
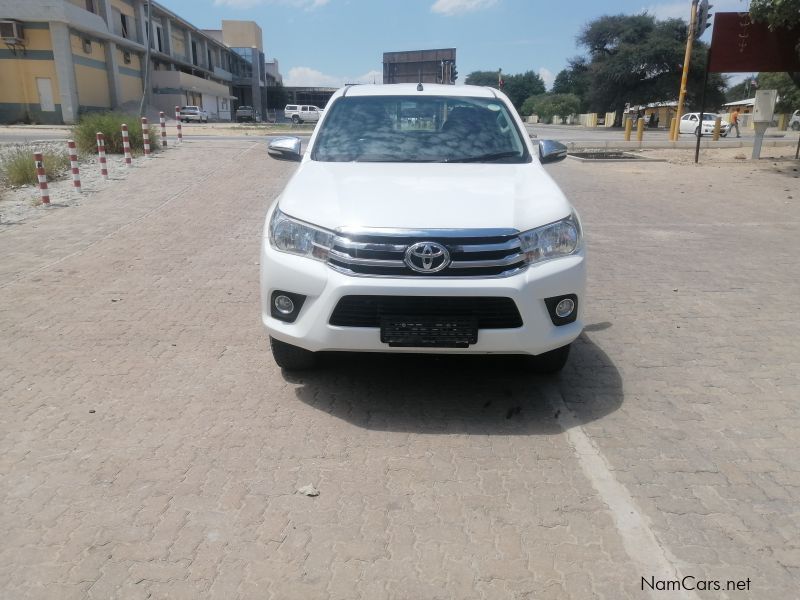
[{"x": 485, "y": 157}]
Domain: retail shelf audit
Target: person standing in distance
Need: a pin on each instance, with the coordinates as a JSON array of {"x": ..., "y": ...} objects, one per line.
[{"x": 735, "y": 121}]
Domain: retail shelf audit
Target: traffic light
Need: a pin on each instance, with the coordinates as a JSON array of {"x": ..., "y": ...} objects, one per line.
[
  {"x": 453, "y": 74},
  {"x": 703, "y": 21}
]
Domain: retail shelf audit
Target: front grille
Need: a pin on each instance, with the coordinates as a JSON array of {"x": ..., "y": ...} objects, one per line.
[
  {"x": 470, "y": 256},
  {"x": 367, "y": 311}
]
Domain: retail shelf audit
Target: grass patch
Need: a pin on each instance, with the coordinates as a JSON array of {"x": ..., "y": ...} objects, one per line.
[
  {"x": 110, "y": 125},
  {"x": 17, "y": 167}
]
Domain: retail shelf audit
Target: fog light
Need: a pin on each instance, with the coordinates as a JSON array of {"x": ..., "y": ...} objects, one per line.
[
  {"x": 563, "y": 308},
  {"x": 285, "y": 306}
]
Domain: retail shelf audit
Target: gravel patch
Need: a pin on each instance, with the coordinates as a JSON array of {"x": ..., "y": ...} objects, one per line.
[{"x": 23, "y": 203}]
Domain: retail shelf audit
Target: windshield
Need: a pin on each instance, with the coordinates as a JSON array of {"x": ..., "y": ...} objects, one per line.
[
  {"x": 708, "y": 117},
  {"x": 419, "y": 129}
]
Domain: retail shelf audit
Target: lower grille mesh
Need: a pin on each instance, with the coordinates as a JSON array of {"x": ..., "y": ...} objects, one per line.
[{"x": 366, "y": 311}]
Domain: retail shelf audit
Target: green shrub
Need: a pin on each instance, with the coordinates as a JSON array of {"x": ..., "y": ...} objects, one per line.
[
  {"x": 548, "y": 105},
  {"x": 17, "y": 167},
  {"x": 110, "y": 124}
]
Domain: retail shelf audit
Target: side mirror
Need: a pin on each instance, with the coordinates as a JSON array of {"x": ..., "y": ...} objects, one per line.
[
  {"x": 285, "y": 148},
  {"x": 551, "y": 151}
]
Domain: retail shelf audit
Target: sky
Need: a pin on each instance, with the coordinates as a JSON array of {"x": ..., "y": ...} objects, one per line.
[{"x": 331, "y": 42}]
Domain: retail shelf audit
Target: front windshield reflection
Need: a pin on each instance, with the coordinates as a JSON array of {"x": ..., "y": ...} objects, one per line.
[{"x": 419, "y": 129}]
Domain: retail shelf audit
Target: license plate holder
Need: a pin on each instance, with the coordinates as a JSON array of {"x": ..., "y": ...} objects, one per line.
[{"x": 401, "y": 331}]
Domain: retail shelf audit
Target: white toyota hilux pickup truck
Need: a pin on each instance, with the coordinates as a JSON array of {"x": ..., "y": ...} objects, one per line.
[{"x": 420, "y": 219}]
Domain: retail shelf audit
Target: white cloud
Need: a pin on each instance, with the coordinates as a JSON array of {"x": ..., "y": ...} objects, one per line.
[
  {"x": 308, "y": 77},
  {"x": 680, "y": 10},
  {"x": 457, "y": 7},
  {"x": 243, "y": 4},
  {"x": 547, "y": 76}
]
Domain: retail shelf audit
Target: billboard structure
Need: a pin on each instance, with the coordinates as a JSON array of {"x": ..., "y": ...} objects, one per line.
[
  {"x": 425, "y": 66},
  {"x": 740, "y": 46}
]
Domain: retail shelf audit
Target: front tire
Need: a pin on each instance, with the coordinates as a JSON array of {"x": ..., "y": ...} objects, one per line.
[
  {"x": 551, "y": 362},
  {"x": 295, "y": 119},
  {"x": 292, "y": 358},
  {"x": 697, "y": 131},
  {"x": 795, "y": 126}
]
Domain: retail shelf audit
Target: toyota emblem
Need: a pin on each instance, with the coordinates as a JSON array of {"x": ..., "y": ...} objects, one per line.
[{"x": 427, "y": 257}]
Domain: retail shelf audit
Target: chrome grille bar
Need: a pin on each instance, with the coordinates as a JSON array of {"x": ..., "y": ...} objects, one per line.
[
  {"x": 474, "y": 264},
  {"x": 381, "y": 253}
]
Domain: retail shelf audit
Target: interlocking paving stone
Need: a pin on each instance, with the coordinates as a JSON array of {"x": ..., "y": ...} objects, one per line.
[{"x": 141, "y": 305}]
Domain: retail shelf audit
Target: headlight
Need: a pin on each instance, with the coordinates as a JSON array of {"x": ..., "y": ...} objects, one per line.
[
  {"x": 295, "y": 237},
  {"x": 551, "y": 241}
]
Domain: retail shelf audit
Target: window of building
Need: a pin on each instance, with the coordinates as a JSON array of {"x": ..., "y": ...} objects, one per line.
[
  {"x": 126, "y": 57},
  {"x": 159, "y": 47},
  {"x": 90, "y": 6},
  {"x": 124, "y": 20},
  {"x": 87, "y": 45},
  {"x": 194, "y": 52},
  {"x": 210, "y": 61}
]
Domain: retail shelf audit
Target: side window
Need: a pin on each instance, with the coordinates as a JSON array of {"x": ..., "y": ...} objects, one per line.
[
  {"x": 694, "y": 118},
  {"x": 304, "y": 109}
]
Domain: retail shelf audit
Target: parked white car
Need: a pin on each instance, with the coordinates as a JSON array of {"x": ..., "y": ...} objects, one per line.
[
  {"x": 794, "y": 122},
  {"x": 690, "y": 123},
  {"x": 193, "y": 113},
  {"x": 442, "y": 235},
  {"x": 300, "y": 113}
]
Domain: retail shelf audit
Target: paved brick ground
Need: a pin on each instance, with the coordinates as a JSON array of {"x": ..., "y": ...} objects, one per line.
[{"x": 150, "y": 448}]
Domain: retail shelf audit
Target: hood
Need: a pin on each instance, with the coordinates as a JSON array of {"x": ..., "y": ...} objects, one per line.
[{"x": 423, "y": 195}]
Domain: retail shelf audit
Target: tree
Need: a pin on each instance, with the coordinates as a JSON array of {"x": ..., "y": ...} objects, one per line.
[
  {"x": 488, "y": 78},
  {"x": 516, "y": 87},
  {"x": 549, "y": 105},
  {"x": 636, "y": 59},
  {"x": 574, "y": 80},
  {"x": 740, "y": 91},
  {"x": 778, "y": 13},
  {"x": 520, "y": 87}
]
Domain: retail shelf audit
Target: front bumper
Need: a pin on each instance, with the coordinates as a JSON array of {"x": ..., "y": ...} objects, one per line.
[{"x": 324, "y": 287}]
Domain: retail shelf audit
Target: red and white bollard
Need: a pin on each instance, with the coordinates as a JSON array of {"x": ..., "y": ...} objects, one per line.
[
  {"x": 178, "y": 119},
  {"x": 146, "y": 137},
  {"x": 73, "y": 165},
  {"x": 101, "y": 154},
  {"x": 126, "y": 145},
  {"x": 162, "y": 120},
  {"x": 38, "y": 160}
]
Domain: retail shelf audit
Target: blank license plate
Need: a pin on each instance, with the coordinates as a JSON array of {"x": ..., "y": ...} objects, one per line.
[{"x": 428, "y": 332}]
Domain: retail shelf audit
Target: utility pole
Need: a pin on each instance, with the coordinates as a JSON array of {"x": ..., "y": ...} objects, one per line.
[{"x": 685, "y": 76}]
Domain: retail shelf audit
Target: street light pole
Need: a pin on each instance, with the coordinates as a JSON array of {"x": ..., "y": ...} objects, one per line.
[{"x": 685, "y": 76}]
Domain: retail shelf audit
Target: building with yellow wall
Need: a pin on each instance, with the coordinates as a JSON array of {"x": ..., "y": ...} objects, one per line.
[{"x": 62, "y": 58}]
